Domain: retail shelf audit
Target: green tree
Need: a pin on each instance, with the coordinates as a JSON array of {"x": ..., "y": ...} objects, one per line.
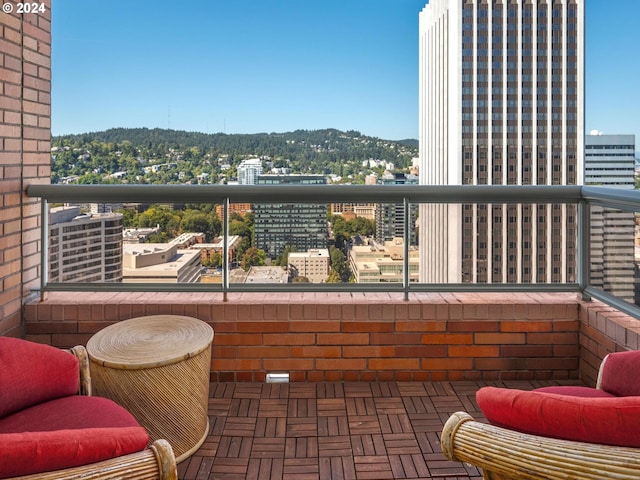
[
  {"x": 214, "y": 261},
  {"x": 339, "y": 266},
  {"x": 253, "y": 256},
  {"x": 282, "y": 260}
]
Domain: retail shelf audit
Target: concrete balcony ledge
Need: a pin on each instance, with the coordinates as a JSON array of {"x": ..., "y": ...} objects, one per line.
[{"x": 366, "y": 336}]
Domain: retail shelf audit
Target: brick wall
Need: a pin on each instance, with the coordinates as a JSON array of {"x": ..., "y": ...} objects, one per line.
[
  {"x": 25, "y": 158},
  {"x": 603, "y": 329},
  {"x": 332, "y": 337}
]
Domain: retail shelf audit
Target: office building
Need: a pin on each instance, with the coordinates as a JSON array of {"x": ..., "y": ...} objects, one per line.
[
  {"x": 278, "y": 225},
  {"x": 84, "y": 247},
  {"x": 375, "y": 262},
  {"x": 609, "y": 161},
  {"x": 390, "y": 216},
  {"x": 312, "y": 265},
  {"x": 501, "y": 102},
  {"x": 353, "y": 210},
  {"x": 160, "y": 263}
]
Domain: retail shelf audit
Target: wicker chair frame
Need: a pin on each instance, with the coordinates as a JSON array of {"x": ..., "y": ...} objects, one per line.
[
  {"x": 154, "y": 463},
  {"x": 505, "y": 454}
]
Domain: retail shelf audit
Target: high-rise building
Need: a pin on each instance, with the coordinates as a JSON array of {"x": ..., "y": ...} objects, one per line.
[
  {"x": 609, "y": 161},
  {"x": 84, "y": 247},
  {"x": 248, "y": 171},
  {"x": 278, "y": 225},
  {"x": 390, "y": 216},
  {"x": 501, "y": 102}
]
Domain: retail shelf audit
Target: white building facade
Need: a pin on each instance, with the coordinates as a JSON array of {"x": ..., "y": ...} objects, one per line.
[
  {"x": 84, "y": 247},
  {"x": 501, "y": 102},
  {"x": 248, "y": 171}
]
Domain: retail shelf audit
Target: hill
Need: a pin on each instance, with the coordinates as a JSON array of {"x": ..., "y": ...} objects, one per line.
[{"x": 122, "y": 154}]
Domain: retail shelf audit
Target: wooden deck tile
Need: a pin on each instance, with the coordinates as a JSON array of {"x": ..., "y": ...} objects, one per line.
[
  {"x": 268, "y": 448},
  {"x": 302, "y": 427},
  {"x": 353, "y": 431},
  {"x": 301, "y": 469},
  {"x": 302, "y": 447},
  {"x": 333, "y": 426},
  {"x": 271, "y": 427}
]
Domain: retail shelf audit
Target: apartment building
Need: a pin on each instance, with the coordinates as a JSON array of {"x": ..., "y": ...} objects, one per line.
[{"x": 84, "y": 247}]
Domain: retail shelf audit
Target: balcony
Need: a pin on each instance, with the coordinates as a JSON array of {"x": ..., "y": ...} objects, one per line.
[{"x": 375, "y": 371}]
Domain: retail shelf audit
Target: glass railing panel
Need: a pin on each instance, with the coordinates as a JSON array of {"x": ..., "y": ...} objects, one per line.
[{"x": 614, "y": 252}]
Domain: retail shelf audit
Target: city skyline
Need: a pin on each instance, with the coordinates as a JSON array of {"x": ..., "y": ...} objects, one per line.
[{"x": 215, "y": 67}]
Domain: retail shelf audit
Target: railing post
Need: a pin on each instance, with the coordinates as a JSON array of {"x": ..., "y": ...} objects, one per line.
[
  {"x": 44, "y": 246},
  {"x": 225, "y": 250},
  {"x": 406, "y": 278},
  {"x": 584, "y": 247}
]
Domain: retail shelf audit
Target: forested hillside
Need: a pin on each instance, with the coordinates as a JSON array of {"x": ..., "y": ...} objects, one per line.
[{"x": 124, "y": 155}]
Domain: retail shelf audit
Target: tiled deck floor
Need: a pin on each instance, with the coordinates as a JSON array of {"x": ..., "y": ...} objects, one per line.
[{"x": 332, "y": 430}]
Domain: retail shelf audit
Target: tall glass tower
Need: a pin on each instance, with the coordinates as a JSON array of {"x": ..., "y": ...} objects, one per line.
[{"x": 501, "y": 102}]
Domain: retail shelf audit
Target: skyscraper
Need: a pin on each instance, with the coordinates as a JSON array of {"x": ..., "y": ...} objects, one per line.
[
  {"x": 610, "y": 161},
  {"x": 278, "y": 225},
  {"x": 390, "y": 216},
  {"x": 501, "y": 102}
]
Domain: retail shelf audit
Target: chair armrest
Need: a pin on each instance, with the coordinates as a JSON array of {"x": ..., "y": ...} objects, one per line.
[
  {"x": 85, "y": 374},
  {"x": 505, "y": 454},
  {"x": 155, "y": 463}
]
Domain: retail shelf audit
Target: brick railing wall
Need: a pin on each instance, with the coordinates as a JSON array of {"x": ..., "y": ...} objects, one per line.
[
  {"x": 25, "y": 154},
  {"x": 332, "y": 337}
]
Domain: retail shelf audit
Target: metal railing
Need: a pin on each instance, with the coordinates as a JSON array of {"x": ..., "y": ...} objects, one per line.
[{"x": 582, "y": 196}]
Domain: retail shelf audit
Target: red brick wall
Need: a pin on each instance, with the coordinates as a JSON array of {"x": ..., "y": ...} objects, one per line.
[
  {"x": 604, "y": 329},
  {"x": 348, "y": 337},
  {"x": 25, "y": 155}
]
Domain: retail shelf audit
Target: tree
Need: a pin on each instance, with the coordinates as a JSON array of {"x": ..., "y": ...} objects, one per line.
[
  {"x": 282, "y": 260},
  {"x": 214, "y": 261},
  {"x": 253, "y": 256},
  {"x": 339, "y": 266}
]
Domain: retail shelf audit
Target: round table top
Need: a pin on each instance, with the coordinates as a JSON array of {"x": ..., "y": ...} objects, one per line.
[{"x": 147, "y": 342}]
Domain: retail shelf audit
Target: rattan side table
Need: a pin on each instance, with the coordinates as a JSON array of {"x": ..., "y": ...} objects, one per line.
[{"x": 158, "y": 368}]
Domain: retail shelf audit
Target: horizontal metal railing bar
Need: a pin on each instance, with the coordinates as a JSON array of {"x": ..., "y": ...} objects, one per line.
[
  {"x": 612, "y": 300},
  {"x": 313, "y": 287},
  {"x": 621, "y": 199},
  {"x": 308, "y": 193}
]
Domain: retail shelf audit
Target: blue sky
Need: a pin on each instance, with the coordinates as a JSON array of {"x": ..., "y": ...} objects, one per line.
[{"x": 247, "y": 66}]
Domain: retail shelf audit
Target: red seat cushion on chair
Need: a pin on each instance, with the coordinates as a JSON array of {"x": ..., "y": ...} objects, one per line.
[
  {"x": 576, "y": 391},
  {"x": 595, "y": 419},
  {"x": 36, "y": 452},
  {"x": 75, "y": 412},
  {"x": 67, "y": 432},
  {"x": 32, "y": 373}
]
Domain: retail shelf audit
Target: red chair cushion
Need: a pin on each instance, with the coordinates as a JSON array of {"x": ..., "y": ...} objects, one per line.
[
  {"x": 27, "y": 453},
  {"x": 75, "y": 412},
  {"x": 67, "y": 432},
  {"x": 590, "y": 418},
  {"x": 32, "y": 373},
  {"x": 620, "y": 373}
]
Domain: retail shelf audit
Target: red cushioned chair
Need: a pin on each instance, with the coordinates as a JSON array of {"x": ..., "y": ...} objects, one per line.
[
  {"x": 555, "y": 432},
  {"x": 51, "y": 426}
]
